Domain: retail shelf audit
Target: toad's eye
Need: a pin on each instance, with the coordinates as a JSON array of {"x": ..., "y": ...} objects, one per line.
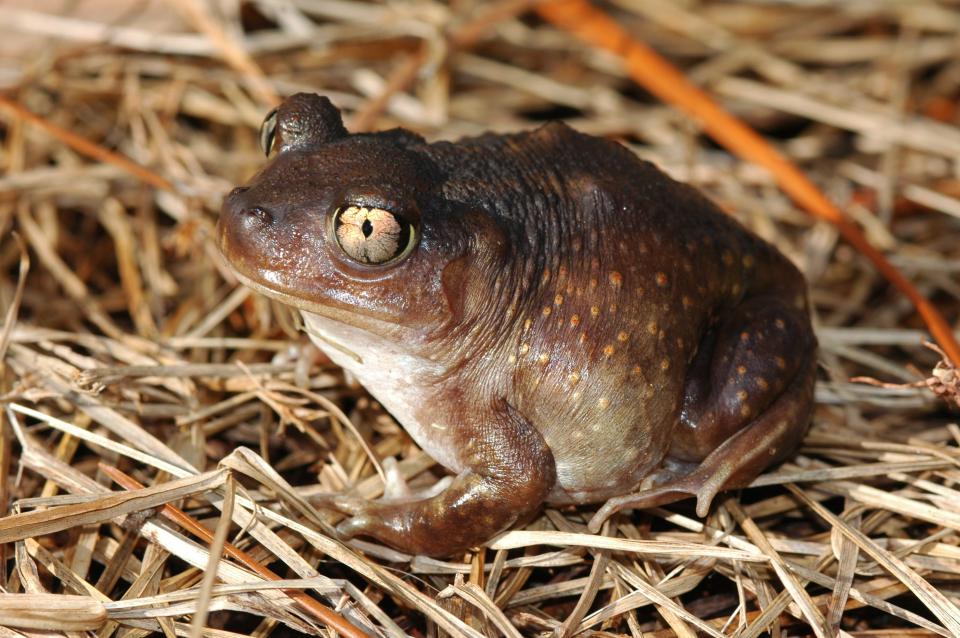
[
  {"x": 373, "y": 235},
  {"x": 268, "y": 132}
]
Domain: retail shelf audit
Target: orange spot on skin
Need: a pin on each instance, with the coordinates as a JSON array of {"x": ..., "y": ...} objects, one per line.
[
  {"x": 573, "y": 377},
  {"x": 574, "y": 321},
  {"x": 543, "y": 358},
  {"x": 608, "y": 350},
  {"x": 661, "y": 278},
  {"x": 748, "y": 261},
  {"x": 636, "y": 370},
  {"x": 616, "y": 279},
  {"x": 652, "y": 327},
  {"x": 613, "y": 309},
  {"x": 546, "y": 311},
  {"x": 595, "y": 311},
  {"x": 742, "y": 395},
  {"x": 781, "y": 363},
  {"x": 687, "y": 302},
  {"x": 665, "y": 364},
  {"x": 526, "y": 324},
  {"x": 546, "y": 275},
  {"x": 604, "y": 402},
  {"x": 779, "y": 323},
  {"x": 512, "y": 358},
  {"x": 744, "y": 336},
  {"x": 524, "y": 348},
  {"x": 622, "y": 336},
  {"x": 762, "y": 383},
  {"x": 562, "y": 272},
  {"x": 583, "y": 337},
  {"x": 741, "y": 370},
  {"x": 558, "y": 300},
  {"x": 744, "y": 410},
  {"x": 593, "y": 282}
]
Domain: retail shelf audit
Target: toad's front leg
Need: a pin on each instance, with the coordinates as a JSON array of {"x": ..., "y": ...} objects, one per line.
[{"x": 509, "y": 472}]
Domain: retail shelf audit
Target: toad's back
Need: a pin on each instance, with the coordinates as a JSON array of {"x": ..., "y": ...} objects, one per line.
[
  {"x": 618, "y": 273},
  {"x": 547, "y": 315}
]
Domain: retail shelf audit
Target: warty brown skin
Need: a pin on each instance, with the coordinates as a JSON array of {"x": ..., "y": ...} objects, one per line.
[{"x": 568, "y": 323}]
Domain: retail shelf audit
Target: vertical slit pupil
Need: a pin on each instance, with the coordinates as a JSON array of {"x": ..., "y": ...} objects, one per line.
[{"x": 367, "y": 228}]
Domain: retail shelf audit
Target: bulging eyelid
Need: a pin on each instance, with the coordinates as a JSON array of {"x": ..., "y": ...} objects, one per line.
[{"x": 268, "y": 132}]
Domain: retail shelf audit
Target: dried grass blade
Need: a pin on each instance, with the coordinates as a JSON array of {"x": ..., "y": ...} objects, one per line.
[
  {"x": 872, "y": 497},
  {"x": 797, "y": 592},
  {"x": 216, "y": 553},
  {"x": 378, "y": 575},
  {"x": 232, "y": 51},
  {"x": 52, "y": 612},
  {"x": 11, "y": 317},
  {"x": 67, "y": 576},
  {"x": 114, "y": 218},
  {"x": 86, "y": 147},
  {"x": 935, "y": 601},
  {"x": 846, "y": 553},
  {"x": 597, "y": 573},
  {"x": 105, "y": 508},
  {"x": 67, "y": 476},
  {"x": 473, "y": 594},
  {"x": 674, "y": 549},
  {"x": 123, "y": 427},
  {"x": 72, "y": 284},
  {"x": 181, "y": 518},
  {"x": 96, "y": 439},
  {"x": 873, "y": 600},
  {"x": 650, "y": 594}
]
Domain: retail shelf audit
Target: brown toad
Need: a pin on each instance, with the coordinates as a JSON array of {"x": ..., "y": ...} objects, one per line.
[{"x": 551, "y": 318}]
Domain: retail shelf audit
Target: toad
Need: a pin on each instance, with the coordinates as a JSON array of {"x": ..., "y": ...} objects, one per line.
[{"x": 549, "y": 317}]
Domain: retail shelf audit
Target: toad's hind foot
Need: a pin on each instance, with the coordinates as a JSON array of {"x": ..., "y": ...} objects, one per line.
[{"x": 735, "y": 463}]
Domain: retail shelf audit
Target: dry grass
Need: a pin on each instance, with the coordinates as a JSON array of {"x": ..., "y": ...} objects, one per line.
[{"x": 129, "y": 345}]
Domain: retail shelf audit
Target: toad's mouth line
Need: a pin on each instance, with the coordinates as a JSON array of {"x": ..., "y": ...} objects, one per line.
[
  {"x": 296, "y": 302},
  {"x": 333, "y": 343}
]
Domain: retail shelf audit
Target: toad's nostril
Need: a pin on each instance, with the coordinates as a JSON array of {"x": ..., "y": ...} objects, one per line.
[
  {"x": 260, "y": 214},
  {"x": 239, "y": 190}
]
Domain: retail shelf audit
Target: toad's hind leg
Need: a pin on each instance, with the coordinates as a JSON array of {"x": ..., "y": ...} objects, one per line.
[{"x": 748, "y": 402}]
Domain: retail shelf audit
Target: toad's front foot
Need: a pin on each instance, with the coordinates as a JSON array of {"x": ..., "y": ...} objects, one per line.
[
  {"x": 510, "y": 472},
  {"x": 471, "y": 510}
]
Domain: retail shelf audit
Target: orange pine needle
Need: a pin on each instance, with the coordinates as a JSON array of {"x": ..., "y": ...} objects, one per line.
[
  {"x": 665, "y": 81},
  {"x": 86, "y": 147},
  {"x": 181, "y": 518}
]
